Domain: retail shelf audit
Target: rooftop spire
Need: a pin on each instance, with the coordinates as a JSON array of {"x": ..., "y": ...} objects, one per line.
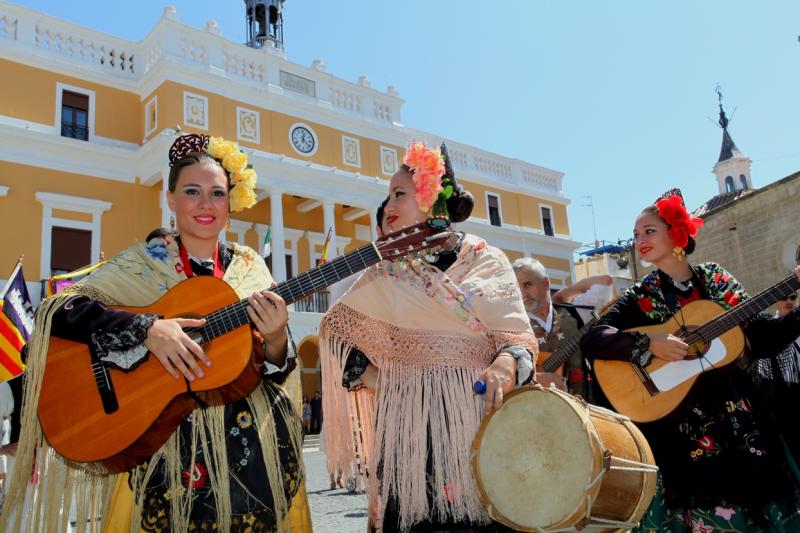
[{"x": 728, "y": 149}]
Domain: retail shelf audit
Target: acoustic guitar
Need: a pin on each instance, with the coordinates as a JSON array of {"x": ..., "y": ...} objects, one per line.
[
  {"x": 109, "y": 420},
  {"x": 554, "y": 361},
  {"x": 715, "y": 339}
]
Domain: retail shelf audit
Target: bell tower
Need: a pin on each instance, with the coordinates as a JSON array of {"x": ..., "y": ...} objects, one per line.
[
  {"x": 264, "y": 23},
  {"x": 733, "y": 167}
]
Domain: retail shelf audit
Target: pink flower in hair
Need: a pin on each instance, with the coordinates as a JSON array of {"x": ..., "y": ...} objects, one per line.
[{"x": 427, "y": 167}]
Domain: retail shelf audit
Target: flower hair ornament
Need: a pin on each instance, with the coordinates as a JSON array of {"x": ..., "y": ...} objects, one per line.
[
  {"x": 233, "y": 160},
  {"x": 681, "y": 224},
  {"x": 433, "y": 177}
]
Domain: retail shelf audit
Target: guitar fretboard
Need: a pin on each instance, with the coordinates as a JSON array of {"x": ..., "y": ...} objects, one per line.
[
  {"x": 235, "y": 315},
  {"x": 565, "y": 349},
  {"x": 743, "y": 311}
]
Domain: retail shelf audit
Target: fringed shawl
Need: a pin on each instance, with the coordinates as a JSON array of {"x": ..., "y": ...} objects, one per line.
[
  {"x": 430, "y": 333},
  {"x": 136, "y": 277}
]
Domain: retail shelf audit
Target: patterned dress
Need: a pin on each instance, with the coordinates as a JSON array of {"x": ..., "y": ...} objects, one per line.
[
  {"x": 722, "y": 464},
  {"x": 118, "y": 336}
]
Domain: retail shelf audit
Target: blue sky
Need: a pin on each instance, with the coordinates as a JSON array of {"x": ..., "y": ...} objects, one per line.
[{"x": 615, "y": 94}]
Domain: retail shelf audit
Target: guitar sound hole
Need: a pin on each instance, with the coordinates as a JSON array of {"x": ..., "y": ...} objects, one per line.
[
  {"x": 696, "y": 349},
  {"x": 204, "y": 345}
]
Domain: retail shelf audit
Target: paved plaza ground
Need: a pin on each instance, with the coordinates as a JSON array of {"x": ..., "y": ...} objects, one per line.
[{"x": 332, "y": 511}]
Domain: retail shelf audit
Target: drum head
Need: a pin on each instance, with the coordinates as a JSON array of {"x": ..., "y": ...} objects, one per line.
[{"x": 534, "y": 459}]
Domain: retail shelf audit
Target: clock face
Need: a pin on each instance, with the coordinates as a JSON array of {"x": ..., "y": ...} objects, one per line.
[{"x": 303, "y": 140}]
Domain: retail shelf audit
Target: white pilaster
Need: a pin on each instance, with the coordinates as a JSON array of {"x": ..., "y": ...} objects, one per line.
[
  {"x": 164, "y": 190},
  {"x": 373, "y": 228},
  {"x": 329, "y": 221},
  {"x": 277, "y": 236}
]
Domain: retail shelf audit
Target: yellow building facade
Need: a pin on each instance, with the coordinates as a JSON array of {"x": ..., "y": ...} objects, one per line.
[{"x": 86, "y": 121}]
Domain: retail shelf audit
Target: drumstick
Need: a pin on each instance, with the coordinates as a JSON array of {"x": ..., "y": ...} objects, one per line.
[{"x": 479, "y": 387}]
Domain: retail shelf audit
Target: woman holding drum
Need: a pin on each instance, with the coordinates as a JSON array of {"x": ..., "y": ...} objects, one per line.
[
  {"x": 721, "y": 463},
  {"x": 429, "y": 329}
]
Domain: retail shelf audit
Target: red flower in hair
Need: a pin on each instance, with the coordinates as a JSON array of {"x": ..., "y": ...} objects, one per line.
[{"x": 681, "y": 224}]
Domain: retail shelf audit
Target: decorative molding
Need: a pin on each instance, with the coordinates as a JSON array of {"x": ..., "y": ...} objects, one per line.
[
  {"x": 298, "y": 84},
  {"x": 388, "y": 160},
  {"x": 248, "y": 125},
  {"x": 151, "y": 116},
  {"x": 351, "y": 151},
  {"x": 195, "y": 110}
]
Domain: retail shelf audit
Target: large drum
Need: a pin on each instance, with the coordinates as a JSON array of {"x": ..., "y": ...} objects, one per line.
[{"x": 547, "y": 461}]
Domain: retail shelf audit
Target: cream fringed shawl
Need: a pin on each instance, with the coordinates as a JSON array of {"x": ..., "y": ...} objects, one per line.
[
  {"x": 430, "y": 334},
  {"x": 136, "y": 277}
]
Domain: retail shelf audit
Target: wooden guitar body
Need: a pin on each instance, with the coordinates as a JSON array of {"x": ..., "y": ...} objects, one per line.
[
  {"x": 626, "y": 390},
  {"x": 151, "y": 402},
  {"x": 542, "y": 359}
]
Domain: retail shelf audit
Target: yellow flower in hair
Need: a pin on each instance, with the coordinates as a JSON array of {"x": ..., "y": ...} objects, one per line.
[
  {"x": 235, "y": 162},
  {"x": 242, "y": 197},
  {"x": 246, "y": 177},
  {"x": 218, "y": 147}
]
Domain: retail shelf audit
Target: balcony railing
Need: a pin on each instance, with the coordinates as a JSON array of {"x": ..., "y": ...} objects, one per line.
[
  {"x": 75, "y": 131},
  {"x": 316, "y": 302}
]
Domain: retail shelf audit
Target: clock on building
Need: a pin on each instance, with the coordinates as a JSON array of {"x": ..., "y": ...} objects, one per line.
[{"x": 303, "y": 139}]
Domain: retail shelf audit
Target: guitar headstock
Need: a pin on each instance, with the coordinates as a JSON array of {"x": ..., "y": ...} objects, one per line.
[{"x": 431, "y": 236}]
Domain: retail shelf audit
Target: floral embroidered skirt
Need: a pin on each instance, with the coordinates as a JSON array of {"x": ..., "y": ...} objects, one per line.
[{"x": 772, "y": 517}]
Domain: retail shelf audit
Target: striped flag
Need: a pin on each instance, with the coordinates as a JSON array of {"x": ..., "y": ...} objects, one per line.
[
  {"x": 16, "y": 324},
  {"x": 267, "y": 246},
  {"x": 324, "y": 257}
]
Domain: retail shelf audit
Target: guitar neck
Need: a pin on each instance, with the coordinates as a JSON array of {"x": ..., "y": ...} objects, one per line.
[
  {"x": 564, "y": 350},
  {"x": 235, "y": 315},
  {"x": 743, "y": 311}
]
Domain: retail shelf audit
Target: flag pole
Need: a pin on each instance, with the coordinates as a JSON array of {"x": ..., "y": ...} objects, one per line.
[{"x": 11, "y": 277}]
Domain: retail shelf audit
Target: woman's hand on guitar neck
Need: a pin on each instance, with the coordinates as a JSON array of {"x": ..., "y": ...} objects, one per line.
[
  {"x": 268, "y": 312},
  {"x": 177, "y": 353},
  {"x": 668, "y": 347}
]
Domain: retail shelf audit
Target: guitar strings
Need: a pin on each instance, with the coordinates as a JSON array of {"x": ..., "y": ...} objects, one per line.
[{"x": 235, "y": 315}]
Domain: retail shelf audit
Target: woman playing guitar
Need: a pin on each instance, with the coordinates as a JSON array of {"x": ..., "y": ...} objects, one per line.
[
  {"x": 722, "y": 466},
  {"x": 231, "y": 467}
]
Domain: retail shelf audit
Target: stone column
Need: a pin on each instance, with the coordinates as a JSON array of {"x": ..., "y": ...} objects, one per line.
[
  {"x": 329, "y": 221},
  {"x": 276, "y": 236}
]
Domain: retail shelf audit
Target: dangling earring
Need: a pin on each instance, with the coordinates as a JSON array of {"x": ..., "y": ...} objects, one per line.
[
  {"x": 678, "y": 252},
  {"x": 172, "y": 222}
]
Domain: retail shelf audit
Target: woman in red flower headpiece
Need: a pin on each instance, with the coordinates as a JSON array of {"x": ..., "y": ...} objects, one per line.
[{"x": 722, "y": 465}]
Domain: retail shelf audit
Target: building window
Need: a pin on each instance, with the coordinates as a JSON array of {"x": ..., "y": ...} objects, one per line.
[
  {"x": 70, "y": 249},
  {"x": 67, "y": 237},
  {"x": 151, "y": 116},
  {"x": 729, "y": 186},
  {"x": 288, "y": 261},
  {"x": 742, "y": 181},
  {"x": 75, "y": 115},
  {"x": 547, "y": 221},
  {"x": 493, "y": 207}
]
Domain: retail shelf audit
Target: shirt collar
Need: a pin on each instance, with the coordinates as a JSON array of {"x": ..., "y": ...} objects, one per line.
[{"x": 547, "y": 325}]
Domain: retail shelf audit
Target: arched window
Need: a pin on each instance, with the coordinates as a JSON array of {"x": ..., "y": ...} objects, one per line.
[
  {"x": 742, "y": 181},
  {"x": 729, "y": 186}
]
